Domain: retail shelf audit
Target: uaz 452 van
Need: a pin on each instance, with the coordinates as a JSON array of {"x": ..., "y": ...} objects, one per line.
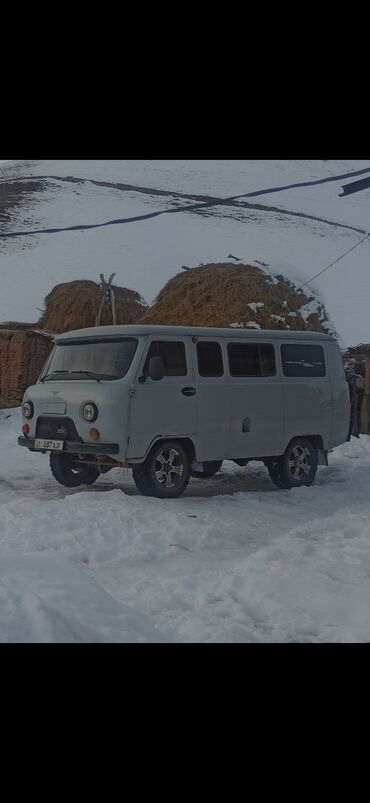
[{"x": 171, "y": 402}]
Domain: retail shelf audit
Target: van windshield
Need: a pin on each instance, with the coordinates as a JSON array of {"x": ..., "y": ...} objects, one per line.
[{"x": 93, "y": 359}]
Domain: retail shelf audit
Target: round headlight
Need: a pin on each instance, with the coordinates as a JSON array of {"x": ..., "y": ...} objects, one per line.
[
  {"x": 27, "y": 409},
  {"x": 90, "y": 412}
]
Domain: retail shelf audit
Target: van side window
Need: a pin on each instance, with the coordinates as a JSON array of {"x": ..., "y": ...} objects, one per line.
[
  {"x": 173, "y": 355},
  {"x": 210, "y": 359},
  {"x": 303, "y": 360},
  {"x": 251, "y": 359}
]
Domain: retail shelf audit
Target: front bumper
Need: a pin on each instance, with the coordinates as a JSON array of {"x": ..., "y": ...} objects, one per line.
[{"x": 75, "y": 447}]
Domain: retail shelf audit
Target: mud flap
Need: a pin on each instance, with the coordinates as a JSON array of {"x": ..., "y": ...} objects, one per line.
[{"x": 322, "y": 458}]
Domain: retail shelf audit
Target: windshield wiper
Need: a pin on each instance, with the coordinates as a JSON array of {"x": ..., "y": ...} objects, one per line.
[
  {"x": 52, "y": 373},
  {"x": 87, "y": 373}
]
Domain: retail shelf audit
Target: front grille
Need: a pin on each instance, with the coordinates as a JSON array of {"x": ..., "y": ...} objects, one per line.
[{"x": 62, "y": 429}]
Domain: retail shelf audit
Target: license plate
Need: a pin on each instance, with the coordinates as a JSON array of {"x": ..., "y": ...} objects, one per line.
[{"x": 53, "y": 446}]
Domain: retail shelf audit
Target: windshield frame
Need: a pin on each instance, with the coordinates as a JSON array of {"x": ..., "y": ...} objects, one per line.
[{"x": 77, "y": 376}]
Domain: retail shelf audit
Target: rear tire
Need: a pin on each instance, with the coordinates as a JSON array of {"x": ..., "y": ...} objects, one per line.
[
  {"x": 210, "y": 468},
  {"x": 297, "y": 467},
  {"x": 66, "y": 470},
  {"x": 165, "y": 473}
]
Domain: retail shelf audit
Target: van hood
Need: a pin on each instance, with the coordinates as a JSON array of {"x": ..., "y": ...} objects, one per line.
[{"x": 68, "y": 398}]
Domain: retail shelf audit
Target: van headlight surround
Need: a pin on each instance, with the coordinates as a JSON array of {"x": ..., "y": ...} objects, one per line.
[
  {"x": 90, "y": 412},
  {"x": 27, "y": 409}
]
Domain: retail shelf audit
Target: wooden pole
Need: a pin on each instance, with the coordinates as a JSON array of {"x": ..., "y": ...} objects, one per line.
[{"x": 109, "y": 297}]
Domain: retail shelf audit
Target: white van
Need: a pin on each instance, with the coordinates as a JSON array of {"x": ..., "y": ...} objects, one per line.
[{"x": 174, "y": 402}]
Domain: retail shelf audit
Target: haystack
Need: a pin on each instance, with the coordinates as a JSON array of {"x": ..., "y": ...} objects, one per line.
[
  {"x": 74, "y": 305},
  {"x": 240, "y": 296},
  {"x": 23, "y": 353}
]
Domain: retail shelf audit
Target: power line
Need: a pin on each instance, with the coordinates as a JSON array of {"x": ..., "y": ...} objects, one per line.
[
  {"x": 334, "y": 263},
  {"x": 312, "y": 277},
  {"x": 203, "y": 205}
]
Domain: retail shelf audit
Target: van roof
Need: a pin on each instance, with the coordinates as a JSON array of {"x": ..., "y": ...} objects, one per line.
[{"x": 193, "y": 331}]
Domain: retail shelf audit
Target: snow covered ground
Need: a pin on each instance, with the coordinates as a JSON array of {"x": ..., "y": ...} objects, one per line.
[
  {"x": 234, "y": 560},
  {"x": 48, "y": 598},
  {"x": 274, "y": 228}
]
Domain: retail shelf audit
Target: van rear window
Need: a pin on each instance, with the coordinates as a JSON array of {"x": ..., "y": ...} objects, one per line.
[
  {"x": 251, "y": 359},
  {"x": 303, "y": 360},
  {"x": 173, "y": 356}
]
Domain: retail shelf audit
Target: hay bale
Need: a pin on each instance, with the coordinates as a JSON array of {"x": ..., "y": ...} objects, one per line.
[
  {"x": 358, "y": 353},
  {"x": 17, "y": 325},
  {"x": 22, "y": 356},
  {"x": 74, "y": 305},
  {"x": 224, "y": 295}
]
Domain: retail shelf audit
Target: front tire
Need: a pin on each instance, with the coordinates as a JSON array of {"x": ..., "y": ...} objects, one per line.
[
  {"x": 165, "y": 473},
  {"x": 297, "y": 467},
  {"x": 66, "y": 470}
]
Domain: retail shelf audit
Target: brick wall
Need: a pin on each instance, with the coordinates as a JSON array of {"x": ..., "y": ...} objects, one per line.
[{"x": 22, "y": 356}]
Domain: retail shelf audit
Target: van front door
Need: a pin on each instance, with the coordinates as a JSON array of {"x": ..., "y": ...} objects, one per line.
[{"x": 164, "y": 409}]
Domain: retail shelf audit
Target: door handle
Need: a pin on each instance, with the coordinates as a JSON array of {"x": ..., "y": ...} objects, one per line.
[{"x": 188, "y": 391}]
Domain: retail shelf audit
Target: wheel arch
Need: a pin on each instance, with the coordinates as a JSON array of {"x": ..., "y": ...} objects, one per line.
[
  {"x": 318, "y": 443},
  {"x": 186, "y": 442}
]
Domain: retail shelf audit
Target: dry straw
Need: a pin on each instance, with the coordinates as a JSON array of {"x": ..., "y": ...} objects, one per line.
[
  {"x": 220, "y": 294},
  {"x": 74, "y": 305}
]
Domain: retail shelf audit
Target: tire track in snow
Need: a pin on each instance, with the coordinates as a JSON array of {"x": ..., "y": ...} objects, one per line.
[{"x": 203, "y": 203}]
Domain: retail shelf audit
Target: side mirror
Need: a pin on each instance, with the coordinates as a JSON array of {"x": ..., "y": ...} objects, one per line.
[{"x": 156, "y": 368}]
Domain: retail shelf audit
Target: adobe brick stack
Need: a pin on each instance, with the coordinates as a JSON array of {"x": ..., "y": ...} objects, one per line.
[{"x": 23, "y": 353}]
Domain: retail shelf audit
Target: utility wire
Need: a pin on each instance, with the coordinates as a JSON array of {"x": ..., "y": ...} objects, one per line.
[
  {"x": 196, "y": 207},
  {"x": 334, "y": 263}
]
